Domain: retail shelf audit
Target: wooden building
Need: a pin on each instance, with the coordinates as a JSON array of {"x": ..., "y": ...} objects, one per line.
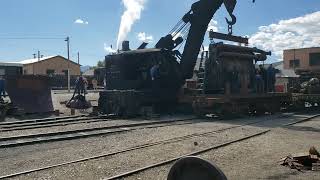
[{"x": 52, "y": 65}]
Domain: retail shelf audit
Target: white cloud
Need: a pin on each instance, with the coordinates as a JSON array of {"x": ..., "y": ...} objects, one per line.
[
  {"x": 80, "y": 21},
  {"x": 213, "y": 25},
  {"x": 109, "y": 49},
  {"x": 300, "y": 32},
  {"x": 142, "y": 36}
]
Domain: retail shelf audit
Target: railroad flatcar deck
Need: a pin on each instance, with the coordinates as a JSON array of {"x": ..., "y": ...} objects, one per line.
[{"x": 226, "y": 104}]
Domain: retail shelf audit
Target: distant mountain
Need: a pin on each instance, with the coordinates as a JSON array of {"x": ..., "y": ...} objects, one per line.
[{"x": 85, "y": 68}]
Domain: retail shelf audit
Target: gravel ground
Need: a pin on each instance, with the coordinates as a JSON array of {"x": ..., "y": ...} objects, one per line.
[
  {"x": 33, "y": 156},
  {"x": 29, "y": 157},
  {"x": 110, "y": 166},
  {"x": 258, "y": 157}
]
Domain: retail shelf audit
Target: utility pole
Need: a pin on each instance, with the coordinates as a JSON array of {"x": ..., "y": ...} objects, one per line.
[
  {"x": 68, "y": 49},
  {"x": 38, "y": 55},
  {"x": 79, "y": 58},
  {"x": 294, "y": 59}
]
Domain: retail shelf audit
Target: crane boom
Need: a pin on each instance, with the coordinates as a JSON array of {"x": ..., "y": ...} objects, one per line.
[
  {"x": 202, "y": 13},
  {"x": 194, "y": 25}
]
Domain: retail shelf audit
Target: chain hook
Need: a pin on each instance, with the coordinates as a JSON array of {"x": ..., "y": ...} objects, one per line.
[{"x": 230, "y": 29}]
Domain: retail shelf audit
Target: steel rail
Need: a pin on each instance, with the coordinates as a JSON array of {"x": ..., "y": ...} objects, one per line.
[
  {"x": 14, "y": 141},
  {"x": 303, "y": 120},
  {"x": 49, "y": 122},
  {"x": 39, "y": 120},
  {"x": 53, "y": 124},
  {"x": 129, "y": 173}
]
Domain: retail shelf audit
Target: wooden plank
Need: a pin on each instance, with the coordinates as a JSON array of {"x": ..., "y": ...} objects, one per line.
[{"x": 227, "y": 37}]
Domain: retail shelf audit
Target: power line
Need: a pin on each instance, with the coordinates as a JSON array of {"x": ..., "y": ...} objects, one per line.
[{"x": 32, "y": 38}]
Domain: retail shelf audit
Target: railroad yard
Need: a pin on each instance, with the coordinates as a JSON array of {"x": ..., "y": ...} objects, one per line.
[
  {"x": 83, "y": 147},
  {"x": 198, "y": 90}
]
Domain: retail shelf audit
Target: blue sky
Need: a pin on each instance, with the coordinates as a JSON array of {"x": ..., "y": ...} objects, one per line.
[{"x": 55, "y": 19}]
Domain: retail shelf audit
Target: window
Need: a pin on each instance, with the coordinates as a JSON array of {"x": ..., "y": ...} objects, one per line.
[
  {"x": 314, "y": 59},
  {"x": 50, "y": 72},
  {"x": 65, "y": 72},
  {"x": 294, "y": 63}
]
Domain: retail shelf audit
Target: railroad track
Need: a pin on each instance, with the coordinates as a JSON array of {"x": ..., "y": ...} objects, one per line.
[
  {"x": 44, "y": 123},
  {"x": 14, "y": 141},
  {"x": 39, "y": 120},
  {"x": 172, "y": 140},
  {"x": 162, "y": 163}
]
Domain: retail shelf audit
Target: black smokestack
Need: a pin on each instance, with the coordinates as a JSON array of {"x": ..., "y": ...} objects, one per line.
[{"x": 125, "y": 46}]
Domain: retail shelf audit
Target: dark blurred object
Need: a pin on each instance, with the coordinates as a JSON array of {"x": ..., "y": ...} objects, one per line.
[
  {"x": 310, "y": 87},
  {"x": 79, "y": 102},
  {"x": 4, "y": 107},
  {"x": 194, "y": 168},
  {"x": 30, "y": 93},
  {"x": 303, "y": 161}
]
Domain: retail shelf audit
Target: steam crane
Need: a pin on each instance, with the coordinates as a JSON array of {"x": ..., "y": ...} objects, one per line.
[{"x": 128, "y": 80}]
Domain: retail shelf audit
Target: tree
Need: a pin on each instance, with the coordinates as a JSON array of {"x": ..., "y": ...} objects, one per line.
[{"x": 100, "y": 64}]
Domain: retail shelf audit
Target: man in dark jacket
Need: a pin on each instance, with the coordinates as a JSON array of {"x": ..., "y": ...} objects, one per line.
[
  {"x": 263, "y": 73},
  {"x": 155, "y": 78},
  {"x": 271, "y": 76}
]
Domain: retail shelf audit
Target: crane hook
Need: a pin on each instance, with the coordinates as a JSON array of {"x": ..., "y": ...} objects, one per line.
[
  {"x": 233, "y": 20},
  {"x": 230, "y": 5}
]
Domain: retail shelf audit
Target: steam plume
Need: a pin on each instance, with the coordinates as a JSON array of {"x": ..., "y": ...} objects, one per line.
[{"x": 132, "y": 13}]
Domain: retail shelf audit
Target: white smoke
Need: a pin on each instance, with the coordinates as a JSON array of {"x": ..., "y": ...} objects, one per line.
[{"x": 132, "y": 13}]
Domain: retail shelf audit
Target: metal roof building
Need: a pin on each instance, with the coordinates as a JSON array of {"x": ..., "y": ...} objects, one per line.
[{"x": 50, "y": 65}]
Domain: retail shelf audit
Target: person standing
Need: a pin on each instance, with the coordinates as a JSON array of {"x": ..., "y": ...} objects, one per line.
[
  {"x": 155, "y": 78},
  {"x": 155, "y": 83},
  {"x": 271, "y": 72},
  {"x": 85, "y": 81},
  {"x": 80, "y": 85},
  {"x": 2, "y": 87},
  {"x": 155, "y": 72},
  {"x": 263, "y": 73},
  {"x": 259, "y": 82}
]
